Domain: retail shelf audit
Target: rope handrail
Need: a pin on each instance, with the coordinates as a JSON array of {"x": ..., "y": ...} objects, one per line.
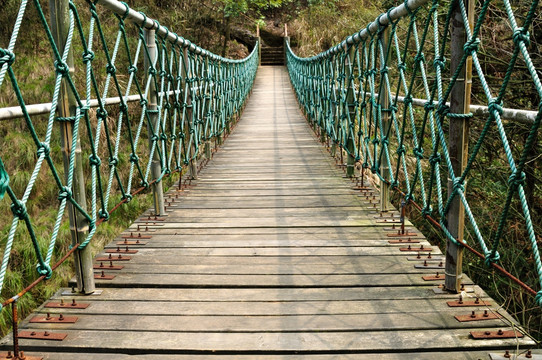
[
  {"x": 381, "y": 96},
  {"x": 173, "y": 93}
]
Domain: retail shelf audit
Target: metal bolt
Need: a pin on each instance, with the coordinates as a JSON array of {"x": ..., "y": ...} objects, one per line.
[
  {"x": 9, "y": 355},
  {"x": 421, "y": 247},
  {"x": 33, "y": 333},
  {"x": 487, "y": 332},
  {"x": 74, "y": 303},
  {"x": 48, "y": 317},
  {"x": 507, "y": 354},
  {"x": 460, "y": 300},
  {"x": 119, "y": 257},
  {"x": 473, "y": 314},
  {"x": 425, "y": 263},
  {"x": 61, "y": 317},
  {"x": 529, "y": 354},
  {"x": 111, "y": 264},
  {"x": 103, "y": 274},
  {"x": 440, "y": 264},
  {"x": 409, "y": 247},
  {"x": 477, "y": 301},
  {"x": 429, "y": 256},
  {"x": 61, "y": 302},
  {"x": 21, "y": 356},
  {"x": 486, "y": 314},
  {"x": 437, "y": 275},
  {"x": 101, "y": 264},
  {"x": 419, "y": 256},
  {"x": 462, "y": 287},
  {"x": 46, "y": 333},
  {"x": 500, "y": 332},
  {"x": 110, "y": 256}
]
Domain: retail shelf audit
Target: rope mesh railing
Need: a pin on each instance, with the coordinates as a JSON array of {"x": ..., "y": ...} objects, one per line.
[
  {"x": 383, "y": 96},
  {"x": 110, "y": 83}
]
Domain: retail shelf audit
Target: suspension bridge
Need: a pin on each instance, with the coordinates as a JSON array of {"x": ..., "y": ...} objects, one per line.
[{"x": 277, "y": 238}]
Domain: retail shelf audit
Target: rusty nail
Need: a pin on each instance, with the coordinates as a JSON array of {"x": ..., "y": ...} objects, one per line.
[
  {"x": 118, "y": 248},
  {"x": 101, "y": 264},
  {"x": 111, "y": 264},
  {"x": 473, "y": 314},
  {"x": 74, "y": 303},
  {"x": 103, "y": 274},
  {"x": 437, "y": 275},
  {"x": 119, "y": 257},
  {"x": 61, "y": 317},
  {"x": 486, "y": 314},
  {"x": 477, "y": 301},
  {"x": 507, "y": 354},
  {"x": 46, "y": 333},
  {"x": 409, "y": 247},
  {"x": 126, "y": 248},
  {"x": 48, "y": 317},
  {"x": 419, "y": 256},
  {"x": 110, "y": 256},
  {"x": 460, "y": 300},
  {"x": 425, "y": 263},
  {"x": 139, "y": 235},
  {"x": 421, "y": 247},
  {"x": 429, "y": 256}
]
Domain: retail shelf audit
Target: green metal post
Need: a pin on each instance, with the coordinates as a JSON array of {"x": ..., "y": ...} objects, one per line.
[
  {"x": 156, "y": 167},
  {"x": 458, "y": 141},
  {"x": 67, "y": 105}
]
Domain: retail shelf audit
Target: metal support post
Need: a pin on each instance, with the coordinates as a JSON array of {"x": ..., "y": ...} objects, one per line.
[
  {"x": 66, "y": 108},
  {"x": 350, "y": 99},
  {"x": 458, "y": 141},
  {"x": 385, "y": 105},
  {"x": 152, "y": 107}
]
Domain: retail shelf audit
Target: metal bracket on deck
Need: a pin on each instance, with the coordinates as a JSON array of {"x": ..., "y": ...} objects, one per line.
[
  {"x": 38, "y": 335},
  {"x": 433, "y": 277},
  {"x": 48, "y": 319},
  {"x": 63, "y": 305},
  {"x": 108, "y": 267},
  {"x": 486, "y": 315},
  {"x": 118, "y": 250},
  {"x": 508, "y": 356},
  {"x": 403, "y": 241},
  {"x": 114, "y": 258},
  {"x": 499, "y": 334},
  {"x": 462, "y": 303},
  {"x": 410, "y": 248},
  {"x": 103, "y": 276}
]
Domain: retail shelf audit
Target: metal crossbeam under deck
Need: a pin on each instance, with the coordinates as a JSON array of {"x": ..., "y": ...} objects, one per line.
[{"x": 270, "y": 254}]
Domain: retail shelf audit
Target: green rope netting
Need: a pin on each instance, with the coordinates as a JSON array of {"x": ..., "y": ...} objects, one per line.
[
  {"x": 401, "y": 60},
  {"x": 198, "y": 94}
]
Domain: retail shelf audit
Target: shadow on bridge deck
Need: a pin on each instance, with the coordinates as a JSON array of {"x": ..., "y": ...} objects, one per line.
[{"x": 272, "y": 254}]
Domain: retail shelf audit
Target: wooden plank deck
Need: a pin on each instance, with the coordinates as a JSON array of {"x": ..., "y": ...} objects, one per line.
[{"x": 272, "y": 255}]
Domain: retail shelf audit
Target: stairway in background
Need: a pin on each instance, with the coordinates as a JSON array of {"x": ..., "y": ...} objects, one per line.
[{"x": 272, "y": 55}]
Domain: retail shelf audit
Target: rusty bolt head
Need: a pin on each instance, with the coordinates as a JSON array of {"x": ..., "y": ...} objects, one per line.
[
  {"x": 500, "y": 332},
  {"x": 486, "y": 314},
  {"x": 46, "y": 333},
  {"x": 74, "y": 303},
  {"x": 507, "y": 354},
  {"x": 473, "y": 314},
  {"x": 48, "y": 317},
  {"x": 529, "y": 354},
  {"x": 61, "y": 317}
]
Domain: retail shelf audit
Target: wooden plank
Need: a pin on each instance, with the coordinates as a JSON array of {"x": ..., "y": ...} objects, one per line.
[{"x": 299, "y": 342}]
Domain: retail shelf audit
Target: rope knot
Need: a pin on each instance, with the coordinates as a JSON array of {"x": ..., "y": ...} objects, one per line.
[
  {"x": 419, "y": 58},
  {"x": 127, "y": 197},
  {"x": 132, "y": 69},
  {"x": 154, "y": 138},
  {"x": 407, "y": 100},
  {"x": 434, "y": 159},
  {"x": 88, "y": 56},
  {"x": 491, "y": 257},
  {"x": 65, "y": 193},
  {"x": 385, "y": 141},
  {"x": 62, "y": 68},
  {"x": 144, "y": 184},
  {"x": 521, "y": 35},
  {"x": 103, "y": 214},
  {"x": 43, "y": 149},
  {"x": 101, "y": 113},
  {"x": 516, "y": 179},
  {"x": 401, "y": 66},
  {"x": 418, "y": 153},
  {"x": 6, "y": 57},
  {"x": 429, "y": 106},
  {"x": 443, "y": 110},
  {"x": 384, "y": 70},
  {"x": 110, "y": 69},
  {"x": 401, "y": 150},
  {"x": 19, "y": 210},
  {"x": 134, "y": 158},
  {"x": 113, "y": 161},
  {"x": 123, "y": 107},
  {"x": 471, "y": 46},
  {"x": 94, "y": 160},
  {"x": 44, "y": 270},
  {"x": 143, "y": 102},
  {"x": 458, "y": 184},
  {"x": 439, "y": 62},
  {"x": 495, "y": 106},
  {"x": 152, "y": 71},
  {"x": 427, "y": 211}
]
